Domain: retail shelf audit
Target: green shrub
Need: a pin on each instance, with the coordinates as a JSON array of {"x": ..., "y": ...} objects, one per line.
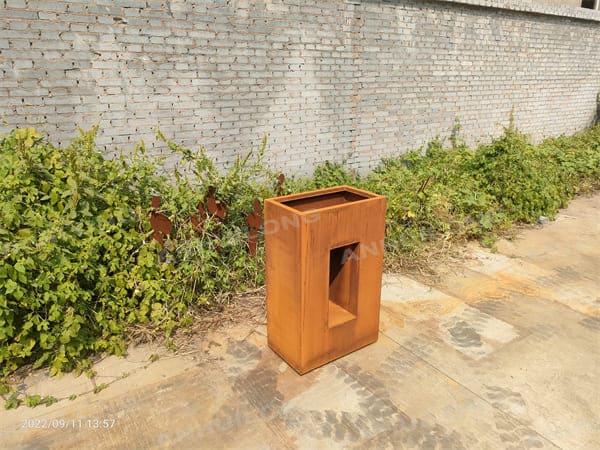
[
  {"x": 448, "y": 193},
  {"x": 78, "y": 265},
  {"x": 522, "y": 177},
  {"x": 433, "y": 195},
  {"x": 578, "y": 158},
  {"x": 74, "y": 270},
  {"x": 216, "y": 262}
]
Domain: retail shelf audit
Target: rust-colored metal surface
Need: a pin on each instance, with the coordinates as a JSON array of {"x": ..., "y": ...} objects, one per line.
[
  {"x": 324, "y": 262},
  {"x": 197, "y": 220},
  {"x": 215, "y": 207},
  {"x": 161, "y": 224},
  {"x": 254, "y": 222},
  {"x": 279, "y": 184}
]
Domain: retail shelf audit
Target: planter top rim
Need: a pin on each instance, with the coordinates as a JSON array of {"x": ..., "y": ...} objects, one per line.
[{"x": 292, "y": 200}]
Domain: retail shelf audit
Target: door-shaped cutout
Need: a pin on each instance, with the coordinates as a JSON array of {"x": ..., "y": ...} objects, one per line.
[{"x": 343, "y": 284}]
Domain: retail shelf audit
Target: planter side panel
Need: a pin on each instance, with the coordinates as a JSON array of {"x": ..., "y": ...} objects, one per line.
[{"x": 283, "y": 254}]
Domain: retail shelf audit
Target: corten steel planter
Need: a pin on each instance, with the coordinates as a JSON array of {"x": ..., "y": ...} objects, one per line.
[{"x": 324, "y": 257}]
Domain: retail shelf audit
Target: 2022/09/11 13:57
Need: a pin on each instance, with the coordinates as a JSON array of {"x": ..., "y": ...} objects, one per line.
[{"x": 64, "y": 424}]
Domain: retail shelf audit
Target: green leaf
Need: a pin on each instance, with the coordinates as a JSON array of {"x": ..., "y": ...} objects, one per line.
[
  {"x": 12, "y": 402},
  {"x": 10, "y": 286},
  {"x": 100, "y": 388}
]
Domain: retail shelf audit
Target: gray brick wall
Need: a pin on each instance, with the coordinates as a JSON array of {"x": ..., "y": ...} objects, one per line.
[{"x": 356, "y": 79}]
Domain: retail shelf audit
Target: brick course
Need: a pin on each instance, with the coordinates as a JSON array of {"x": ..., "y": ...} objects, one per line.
[{"x": 355, "y": 80}]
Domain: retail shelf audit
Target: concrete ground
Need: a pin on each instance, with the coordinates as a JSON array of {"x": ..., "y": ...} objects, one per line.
[{"x": 501, "y": 351}]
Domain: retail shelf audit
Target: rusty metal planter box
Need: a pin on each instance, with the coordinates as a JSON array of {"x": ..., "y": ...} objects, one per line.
[{"x": 324, "y": 256}]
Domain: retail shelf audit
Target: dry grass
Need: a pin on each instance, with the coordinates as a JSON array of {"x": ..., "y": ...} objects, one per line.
[{"x": 247, "y": 308}]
